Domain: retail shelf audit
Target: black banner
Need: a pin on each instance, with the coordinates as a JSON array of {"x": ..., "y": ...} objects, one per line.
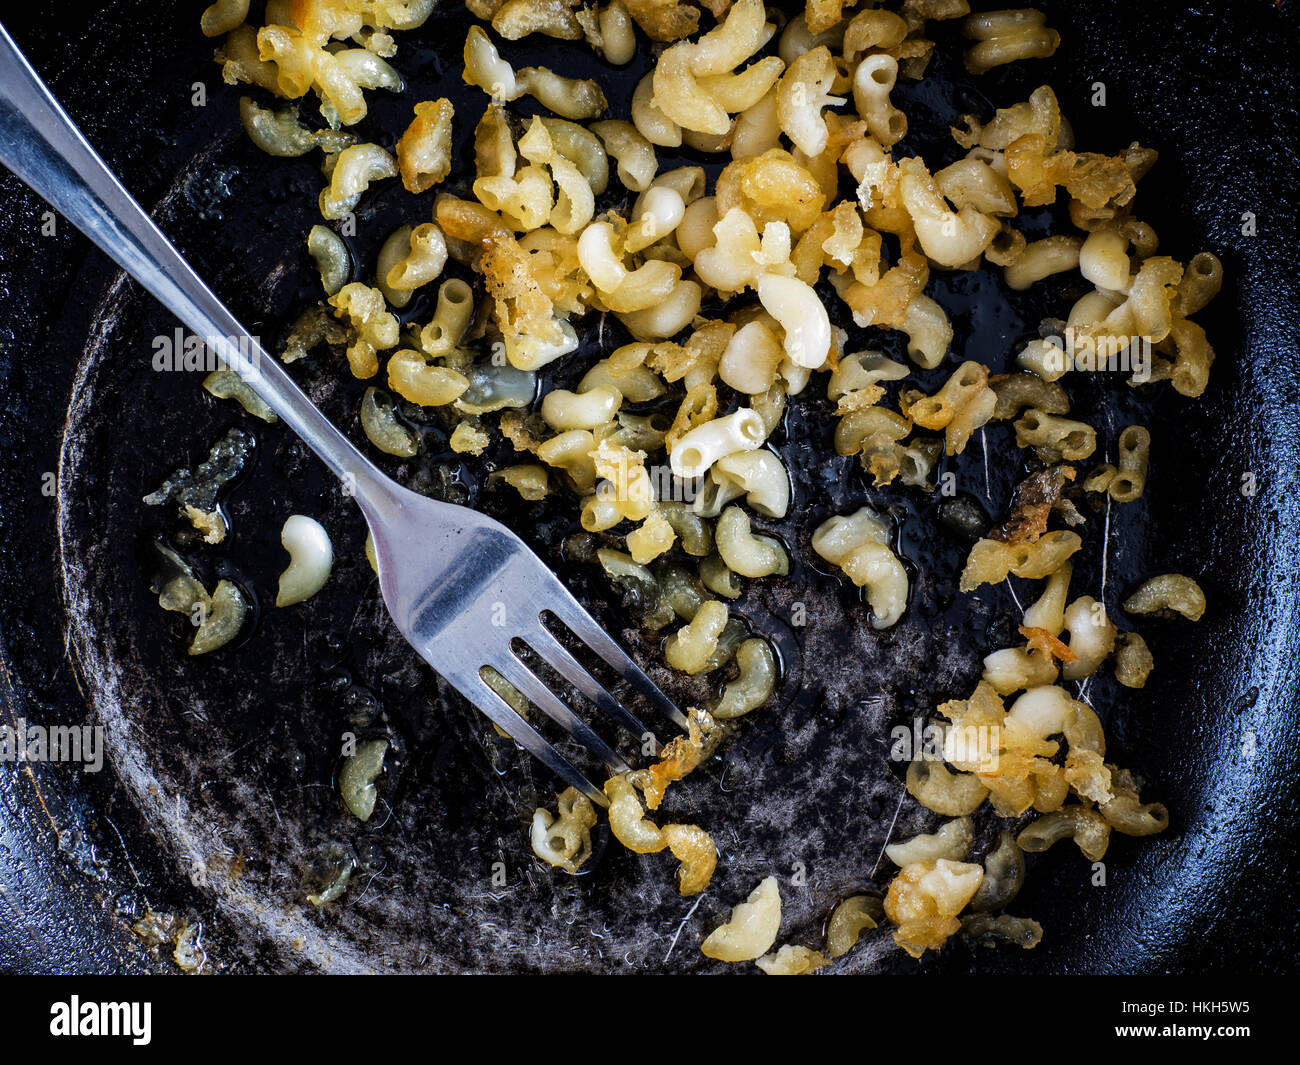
[{"x": 261, "y": 1014}]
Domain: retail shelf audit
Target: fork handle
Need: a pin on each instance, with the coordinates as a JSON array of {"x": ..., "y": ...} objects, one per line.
[{"x": 43, "y": 147}]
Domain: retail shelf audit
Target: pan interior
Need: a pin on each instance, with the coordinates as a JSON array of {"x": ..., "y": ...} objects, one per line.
[{"x": 232, "y": 758}]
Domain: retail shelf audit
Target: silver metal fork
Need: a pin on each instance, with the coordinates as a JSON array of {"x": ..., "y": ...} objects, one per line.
[{"x": 462, "y": 588}]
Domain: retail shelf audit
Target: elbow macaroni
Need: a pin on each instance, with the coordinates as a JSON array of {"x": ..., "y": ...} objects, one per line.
[
  {"x": 1006, "y": 36},
  {"x": 424, "y": 149},
  {"x": 802, "y": 316},
  {"x": 801, "y": 94},
  {"x": 745, "y": 553},
  {"x": 858, "y": 544},
  {"x": 357, "y": 167},
  {"x": 696, "y": 451}
]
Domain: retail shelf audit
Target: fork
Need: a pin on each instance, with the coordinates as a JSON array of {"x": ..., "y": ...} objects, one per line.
[{"x": 462, "y": 588}]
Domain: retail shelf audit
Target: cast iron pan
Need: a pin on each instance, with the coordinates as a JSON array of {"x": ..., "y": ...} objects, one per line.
[{"x": 217, "y": 805}]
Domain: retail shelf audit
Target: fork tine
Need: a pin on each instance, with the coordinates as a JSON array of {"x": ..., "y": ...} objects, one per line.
[
  {"x": 537, "y": 693},
  {"x": 584, "y": 626},
  {"x": 502, "y": 714},
  {"x": 557, "y": 656}
]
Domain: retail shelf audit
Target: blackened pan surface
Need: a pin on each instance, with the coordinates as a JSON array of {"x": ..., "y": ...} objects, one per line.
[{"x": 218, "y": 804}]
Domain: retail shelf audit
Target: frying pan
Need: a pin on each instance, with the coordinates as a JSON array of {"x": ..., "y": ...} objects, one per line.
[{"x": 216, "y": 806}]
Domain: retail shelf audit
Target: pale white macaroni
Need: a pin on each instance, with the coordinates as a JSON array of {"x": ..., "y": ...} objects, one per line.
[
  {"x": 751, "y": 930},
  {"x": 311, "y": 557}
]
